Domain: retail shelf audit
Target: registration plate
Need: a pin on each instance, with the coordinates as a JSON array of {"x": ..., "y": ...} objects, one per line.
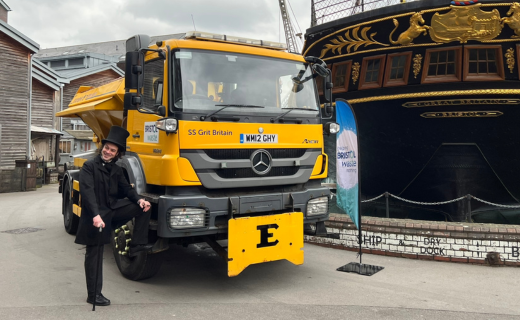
[
  {"x": 253, "y": 240},
  {"x": 258, "y": 138}
]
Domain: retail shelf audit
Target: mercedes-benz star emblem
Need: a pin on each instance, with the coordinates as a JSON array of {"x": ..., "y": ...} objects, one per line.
[{"x": 261, "y": 162}]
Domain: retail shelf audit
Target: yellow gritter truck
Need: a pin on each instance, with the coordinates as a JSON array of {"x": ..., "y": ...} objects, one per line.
[{"x": 226, "y": 142}]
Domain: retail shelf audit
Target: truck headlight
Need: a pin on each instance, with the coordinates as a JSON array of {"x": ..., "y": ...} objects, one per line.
[
  {"x": 186, "y": 218},
  {"x": 167, "y": 124},
  {"x": 318, "y": 206}
]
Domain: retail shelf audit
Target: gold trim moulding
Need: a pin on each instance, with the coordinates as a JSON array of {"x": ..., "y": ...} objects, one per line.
[
  {"x": 437, "y": 94},
  {"x": 460, "y": 102},
  {"x": 461, "y": 114}
]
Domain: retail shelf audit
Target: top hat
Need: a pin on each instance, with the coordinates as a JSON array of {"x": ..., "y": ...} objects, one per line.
[{"x": 117, "y": 136}]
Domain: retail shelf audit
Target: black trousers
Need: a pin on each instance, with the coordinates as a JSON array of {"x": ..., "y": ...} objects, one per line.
[{"x": 93, "y": 253}]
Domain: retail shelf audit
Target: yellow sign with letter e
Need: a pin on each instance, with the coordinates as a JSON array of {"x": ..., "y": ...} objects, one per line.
[{"x": 263, "y": 239}]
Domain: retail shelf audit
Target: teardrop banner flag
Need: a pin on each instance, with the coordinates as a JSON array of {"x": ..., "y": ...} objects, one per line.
[
  {"x": 347, "y": 162},
  {"x": 347, "y": 180}
]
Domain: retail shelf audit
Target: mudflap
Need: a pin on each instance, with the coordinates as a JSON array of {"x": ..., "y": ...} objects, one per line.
[{"x": 262, "y": 239}]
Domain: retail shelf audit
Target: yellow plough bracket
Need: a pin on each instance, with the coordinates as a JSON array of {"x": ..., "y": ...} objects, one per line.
[{"x": 262, "y": 239}]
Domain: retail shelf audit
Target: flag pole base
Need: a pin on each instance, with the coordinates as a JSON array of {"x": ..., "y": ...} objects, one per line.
[{"x": 360, "y": 268}]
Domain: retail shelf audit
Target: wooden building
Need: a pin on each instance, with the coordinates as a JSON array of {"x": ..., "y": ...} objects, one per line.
[{"x": 16, "y": 52}]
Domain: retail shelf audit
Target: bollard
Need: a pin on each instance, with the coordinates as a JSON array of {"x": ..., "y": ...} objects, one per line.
[
  {"x": 468, "y": 213},
  {"x": 387, "y": 205}
]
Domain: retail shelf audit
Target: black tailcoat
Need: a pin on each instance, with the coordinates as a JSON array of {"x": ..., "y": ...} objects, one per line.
[{"x": 101, "y": 191}]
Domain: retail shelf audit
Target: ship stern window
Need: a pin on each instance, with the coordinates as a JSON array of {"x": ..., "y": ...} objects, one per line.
[
  {"x": 483, "y": 63},
  {"x": 372, "y": 72},
  {"x": 442, "y": 65},
  {"x": 397, "y": 69},
  {"x": 341, "y": 76}
]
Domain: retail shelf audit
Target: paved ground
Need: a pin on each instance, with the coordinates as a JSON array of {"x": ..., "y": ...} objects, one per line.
[{"x": 42, "y": 278}]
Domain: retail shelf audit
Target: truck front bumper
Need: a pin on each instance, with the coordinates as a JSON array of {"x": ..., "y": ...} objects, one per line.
[{"x": 218, "y": 210}]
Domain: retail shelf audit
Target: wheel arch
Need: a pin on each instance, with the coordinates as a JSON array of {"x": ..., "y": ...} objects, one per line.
[{"x": 134, "y": 171}]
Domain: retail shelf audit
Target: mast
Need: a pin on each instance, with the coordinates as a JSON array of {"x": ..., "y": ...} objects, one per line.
[{"x": 292, "y": 46}]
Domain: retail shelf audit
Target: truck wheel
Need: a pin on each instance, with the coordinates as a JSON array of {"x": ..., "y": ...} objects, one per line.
[
  {"x": 140, "y": 267},
  {"x": 70, "y": 220}
]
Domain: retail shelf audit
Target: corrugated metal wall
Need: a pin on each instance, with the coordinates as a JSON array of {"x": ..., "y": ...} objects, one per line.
[
  {"x": 94, "y": 80},
  {"x": 42, "y": 110},
  {"x": 14, "y": 99}
]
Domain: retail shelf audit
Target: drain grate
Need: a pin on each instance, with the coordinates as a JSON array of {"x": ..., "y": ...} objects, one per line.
[{"x": 22, "y": 230}]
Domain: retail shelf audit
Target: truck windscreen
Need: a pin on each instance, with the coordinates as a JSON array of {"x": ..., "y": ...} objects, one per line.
[{"x": 206, "y": 79}]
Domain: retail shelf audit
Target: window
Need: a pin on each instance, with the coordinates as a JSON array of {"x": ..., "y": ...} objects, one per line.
[
  {"x": 58, "y": 64},
  {"x": 76, "y": 62},
  {"x": 341, "y": 76},
  {"x": 483, "y": 63},
  {"x": 397, "y": 69},
  {"x": 442, "y": 65},
  {"x": 65, "y": 146},
  {"x": 153, "y": 83},
  {"x": 372, "y": 72}
]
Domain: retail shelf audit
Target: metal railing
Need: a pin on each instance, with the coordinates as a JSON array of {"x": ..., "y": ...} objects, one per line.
[
  {"x": 468, "y": 198},
  {"x": 323, "y": 11}
]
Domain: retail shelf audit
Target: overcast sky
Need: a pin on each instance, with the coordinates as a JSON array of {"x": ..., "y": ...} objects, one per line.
[{"x": 57, "y": 23}]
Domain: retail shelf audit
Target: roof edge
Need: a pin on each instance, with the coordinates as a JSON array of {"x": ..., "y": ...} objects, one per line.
[{"x": 18, "y": 36}]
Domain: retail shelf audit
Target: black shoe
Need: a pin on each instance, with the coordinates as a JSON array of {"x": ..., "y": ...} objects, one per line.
[
  {"x": 134, "y": 250},
  {"x": 100, "y": 300}
]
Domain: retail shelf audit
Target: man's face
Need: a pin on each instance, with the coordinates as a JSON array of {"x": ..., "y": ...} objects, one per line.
[{"x": 109, "y": 151}]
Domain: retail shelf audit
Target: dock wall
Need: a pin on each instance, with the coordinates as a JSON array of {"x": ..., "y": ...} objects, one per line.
[{"x": 475, "y": 243}]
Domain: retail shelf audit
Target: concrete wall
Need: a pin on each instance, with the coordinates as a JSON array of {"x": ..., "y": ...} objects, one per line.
[{"x": 486, "y": 244}]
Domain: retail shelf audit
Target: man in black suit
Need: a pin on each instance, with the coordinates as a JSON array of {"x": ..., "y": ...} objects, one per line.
[{"x": 107, "y": 199}]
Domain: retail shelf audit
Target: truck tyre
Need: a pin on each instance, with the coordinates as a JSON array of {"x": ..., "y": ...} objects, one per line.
[
  {"x": 140, "y": 267},
  {"x": 70, "y": 220}
]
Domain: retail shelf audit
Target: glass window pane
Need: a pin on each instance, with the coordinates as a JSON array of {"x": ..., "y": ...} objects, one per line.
[
  {"x": 472, "y": 54},
  {"x": 491, "y": 54},
  {"x": 443, "y": 56},
  {"x": 472, "y": 67},
  {"x": 450, "y": 68},
  {"x": 441, "y": 71},
  {"x": 400, "y": 73},
  {"x": 434, "y": 57},
  {"x": 395, "y": 62},
  {"x": 432, "y": 70},
  {"x": 451, "y": 55},
  {"x": 492, "y": 67},
  {"x": 393, "y": 74},
  {"x": 482, "y": 67},
  {"x": 376, "y": 64}
]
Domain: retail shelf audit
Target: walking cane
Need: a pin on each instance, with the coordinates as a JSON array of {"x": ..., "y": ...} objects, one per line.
[{"x": 99, "y": 261}]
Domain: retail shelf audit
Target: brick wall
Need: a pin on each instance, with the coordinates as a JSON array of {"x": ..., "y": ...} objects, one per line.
[{"x": 489, "y": 244}]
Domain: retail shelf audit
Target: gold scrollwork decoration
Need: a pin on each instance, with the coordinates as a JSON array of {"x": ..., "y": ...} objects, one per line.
[
  {"x": 417, "y": 62},
  {"x": 355, "y": 72},
  {"x": 416, "y": 28},
  {"x": 513, "y": 19},
  {"x": 510, "y": 59},
  {"x": 353, "y": 41},
  {"x": 466, "y": 23}
]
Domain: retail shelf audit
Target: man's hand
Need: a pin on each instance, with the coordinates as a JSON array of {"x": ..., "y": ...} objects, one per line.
[
  {"x": 98, "y": 222},
  {"x": 145, "y": 205}
]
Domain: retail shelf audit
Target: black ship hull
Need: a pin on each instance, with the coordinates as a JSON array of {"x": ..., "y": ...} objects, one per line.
[{"x": 432, "y": 142}]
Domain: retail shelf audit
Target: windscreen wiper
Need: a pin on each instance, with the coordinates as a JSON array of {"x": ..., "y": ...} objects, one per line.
[
  {"x": 280, "y": 116},
  {"x": 202, "y": 118}
]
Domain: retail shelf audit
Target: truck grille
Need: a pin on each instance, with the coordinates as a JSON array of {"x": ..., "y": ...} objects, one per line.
[
  {"x": 226, "y": 154},
  {"x": 249, "y": 173}
]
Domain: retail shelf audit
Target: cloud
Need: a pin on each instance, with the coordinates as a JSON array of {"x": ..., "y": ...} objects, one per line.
[{"x": 55, "y": 23}]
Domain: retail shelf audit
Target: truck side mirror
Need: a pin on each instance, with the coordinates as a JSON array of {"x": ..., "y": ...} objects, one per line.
[
  {"x": 328, "y": 109},
  {"x": 134, "y": 70}
]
